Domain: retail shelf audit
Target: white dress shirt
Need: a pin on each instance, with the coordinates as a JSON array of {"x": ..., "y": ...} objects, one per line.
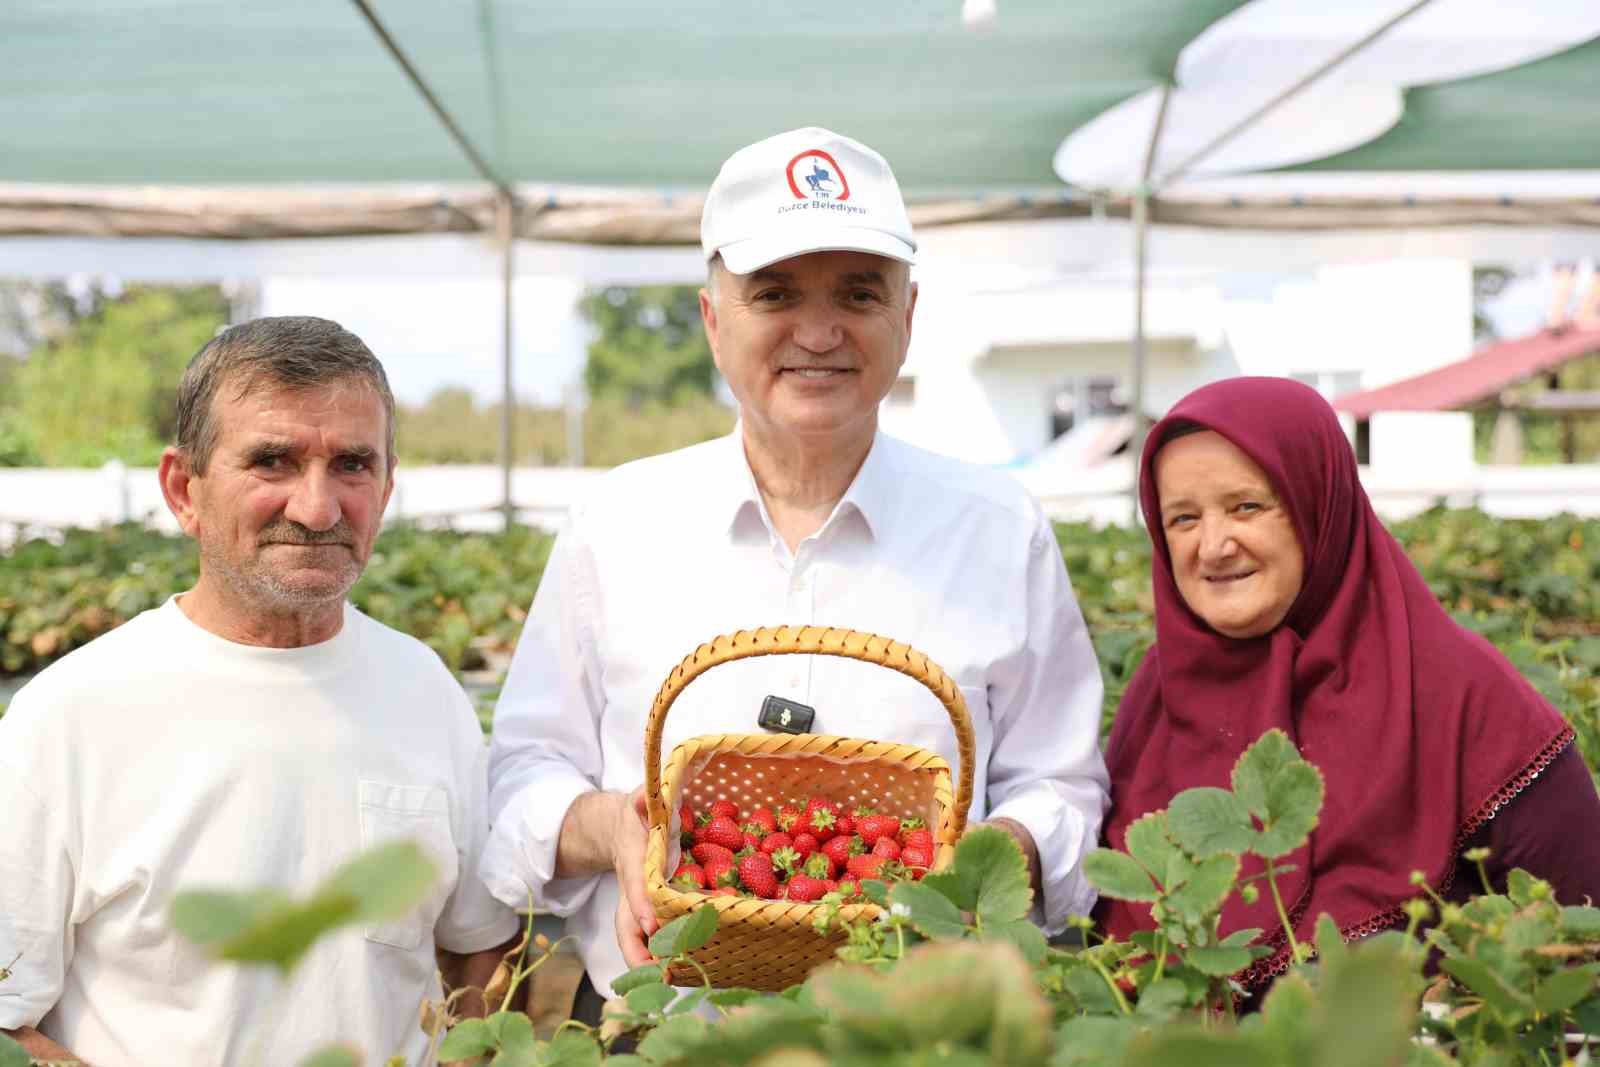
[{"x": 671, "y": 551}]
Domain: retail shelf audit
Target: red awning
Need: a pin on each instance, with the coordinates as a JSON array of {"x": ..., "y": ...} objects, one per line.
[{"x": 1477, "y": 378}]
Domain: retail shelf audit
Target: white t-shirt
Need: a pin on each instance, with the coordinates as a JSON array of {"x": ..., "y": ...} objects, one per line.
[
  {"x": 161, "y": 757},
  {"x": 671, "y": 551}
]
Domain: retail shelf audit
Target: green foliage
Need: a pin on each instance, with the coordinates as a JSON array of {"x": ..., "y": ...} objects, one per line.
[
  {"x": 649, "y": 345},
  {"x": 104, "y": 390},
  {"x": 267, "y": 926}
]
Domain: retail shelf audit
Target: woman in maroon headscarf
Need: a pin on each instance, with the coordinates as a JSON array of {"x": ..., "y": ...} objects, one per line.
[{"x": 1281, "y": 601}]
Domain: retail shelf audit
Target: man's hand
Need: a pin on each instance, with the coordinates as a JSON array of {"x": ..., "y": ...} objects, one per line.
[
  {"x": 1030, "y": 851},
  {"x": 606, "y": 831},
  {"x": 636, "y": 918}
]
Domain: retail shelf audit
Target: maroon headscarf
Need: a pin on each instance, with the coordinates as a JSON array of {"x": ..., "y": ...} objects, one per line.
[{"x": 1422, "y": 729}]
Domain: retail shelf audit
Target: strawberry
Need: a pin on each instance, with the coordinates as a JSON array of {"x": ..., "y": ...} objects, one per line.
[
  {"x": 922, "y": 839},
  {"x": 818, "y": 865},
  {"x": 686, "y": 819},
  {"x": 764, "y": 818},
  {"x": 873, "y": 827},
  {"x": 843, "y": 825},
  {"x": 840, "y": 849},
  {"x": 917, "y": 860},
  {"x": 914, "y": 822},
  {"x": 707, "y": 853},
  {"x": 726, "y": 891},
  {"x": 788, "y": 818},
  {"x": 805, "y": 844},
  {"x": 689, "y": 876},
  {"x": 719, "y": 874},
  {"x": 805, "y": 888},
  {"x": 751, "y": 840},
  {"x": 725, "y": 809},
  {"x": 887, "y": 848},
  {"x": 866, "y": 866},
  {"x": 816, "y": 802},
  {"x": 849, "y": 887},
  {"x": 756, "y": 874},
  {"x": 773, "y": 842},
  {"x": 723, "y": 831},
  {"x": 864, "y": 809},
  {"x": 787, "y": 860},
  {"x": 821, "y": 822},
  {"x": 830, "y": 885},
  {"x": 698, "y": 834}
]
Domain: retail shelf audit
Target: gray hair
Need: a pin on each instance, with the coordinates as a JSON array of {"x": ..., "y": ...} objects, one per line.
[{"x": 293, "y": 352}]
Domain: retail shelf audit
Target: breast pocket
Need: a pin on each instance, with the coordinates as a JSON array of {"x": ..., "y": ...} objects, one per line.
[{"x": 414, "y": 813}]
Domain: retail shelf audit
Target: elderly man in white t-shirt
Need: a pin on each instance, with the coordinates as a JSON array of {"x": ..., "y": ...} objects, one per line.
[
  {"x": 256, "y": 730},
  {"x": 806, "y": 515}
]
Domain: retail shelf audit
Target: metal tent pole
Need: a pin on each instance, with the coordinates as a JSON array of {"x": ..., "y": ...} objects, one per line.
[{"x": 505, "y": 226}]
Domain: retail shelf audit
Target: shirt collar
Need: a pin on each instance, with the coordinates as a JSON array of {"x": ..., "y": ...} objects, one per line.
[{"x": 869, "y": 495}]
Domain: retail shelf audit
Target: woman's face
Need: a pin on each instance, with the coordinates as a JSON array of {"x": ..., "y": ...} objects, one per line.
[{"x": 1234, "y": 552}]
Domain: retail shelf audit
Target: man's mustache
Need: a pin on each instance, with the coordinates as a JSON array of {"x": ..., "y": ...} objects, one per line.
[{"x": 289, "y": 532}]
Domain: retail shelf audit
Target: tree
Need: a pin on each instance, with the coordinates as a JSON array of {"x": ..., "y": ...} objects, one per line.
[
  {"x": 105, "y": 388},
  {"x": 649, "y": 346}
]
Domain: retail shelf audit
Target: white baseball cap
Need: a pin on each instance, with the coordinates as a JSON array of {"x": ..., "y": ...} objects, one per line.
[{"x": 808, "y": 190}]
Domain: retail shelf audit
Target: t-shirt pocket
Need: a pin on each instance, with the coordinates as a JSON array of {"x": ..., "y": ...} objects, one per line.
[{"x": 416, "y": 813}]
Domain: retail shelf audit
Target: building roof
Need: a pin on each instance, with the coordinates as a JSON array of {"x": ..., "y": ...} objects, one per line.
[{"x": 1482, "y": 375}]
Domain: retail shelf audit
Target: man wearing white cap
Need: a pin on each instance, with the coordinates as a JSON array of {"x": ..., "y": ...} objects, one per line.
[{"x": 805, "y": 515}]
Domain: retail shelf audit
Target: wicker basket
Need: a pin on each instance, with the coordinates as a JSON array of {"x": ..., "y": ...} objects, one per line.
[{"x": 772, "y": 944}]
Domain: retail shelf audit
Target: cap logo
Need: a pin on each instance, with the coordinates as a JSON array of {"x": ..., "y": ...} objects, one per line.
[{"x": 815, "y": 175}]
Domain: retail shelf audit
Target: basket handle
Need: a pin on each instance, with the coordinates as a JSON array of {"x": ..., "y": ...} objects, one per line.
[{"x": 817, "y": 641}]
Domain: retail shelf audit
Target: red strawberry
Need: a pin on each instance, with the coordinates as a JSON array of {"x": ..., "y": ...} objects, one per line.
[
  {"x": 818, "y": 865},
  {"x": 686, "y": 819},
  {"x": 805, "y": 888},
  {"x": 751, "y": 840},
  {"x": 873, "y": 827},
  {"x": 886, "y": 847},
  {"x": 719, "y": 874},
  {"x": 815, "y": 803},
  {"x": 867, "y": 866},
  {"x": 773, "y": 842},
  {"x": 830, "y": 885},
  {"x": 763, "y": 817},
  {"x": 843, "y": 825},
  {"x": 922, "y": 839},
  {"x": 689, "y": 876},
  {"x": 805, "y": 844},
  {"x": 918, "y": 860},
  {"x": 707, "y": 853},
  {"x": 723, "y": 831},
  {"x": 821, "y": 822},
  {"x": 725, "y": 809},
  {"x": 726, "y": 891},
  {"x": 756, "y": 874},
  {"x": 787, "y": 818},
  {"x": 840, "y": 849},
  {"x": 698, "y": 834},
  {"x": 787, "y": 860}
]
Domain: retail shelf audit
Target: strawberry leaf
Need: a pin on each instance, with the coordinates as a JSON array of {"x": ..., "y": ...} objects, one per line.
[
  {"x": 1206, "y": 821},
  {"x": 1118, "y": 876},
  {"x": 643, "y": 975},
  {"x": 13, "y": 1054},
  {"x": 685, "y": 933},
  {"x": 930, "y": 911},
  {"x": 1028, "y": 938},
  {"x": 467, "y": 1038},
  {"x": 1149, "y": 843}
]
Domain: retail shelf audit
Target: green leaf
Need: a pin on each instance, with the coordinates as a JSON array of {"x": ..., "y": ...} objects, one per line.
[
  {"x": 732, "y": 998},
  {"x": 673, "y": 1039},
  {"x": 385, "y": 882},
  {"x": 1519, "y": 887},
  {"x": 332, "y": 1056},
  {"x": 991, "y": 862},
  {"x": 207, "y": 917},
  {"x": 1510, "y": 1004},
  {"x": 1258, "y": 767},
  {"x": 685, "y": 933},
  {"x": 642, "y": 975},
  {"x": 1206, "y": 821},
  {"x": 690, "y": 1000},
  {"x": 282, "y": 937},
  {"x": 1367, "y": 1007},
  {"x": 469, "y": 1037},
  {"x": 1294, "y": 800},
  {"x": 1163, "y": 1000},
  {"x": 1092, "y": 1041},
  {"x": 1331, "y": 945},
  {"x": 513, "y": 1036},
  {"x": 1149, "y": 843},
  {"x": 1240, "y": 938},
  {"x": 570, "y": 1048},
  {"x": 1118, "y": 876},
  {"x": 930, "y": 912},
  {"x": 1192, "y": 1048},
  {"x": 1202, "y": 895},
  {"x": 13, "y": 1054},
  {"x": 1564, "y": 989},
  {"x": 1090, "y": 991},
  {"x": 1028, "y": 938},
  {"x": 650, "y": 999},
  {"x": 1286, "y": 1017},
  {"x": 1217, "y": 961},
  {"x": 1580, "y": 923},
  {"x": 877, "y": 891}
]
